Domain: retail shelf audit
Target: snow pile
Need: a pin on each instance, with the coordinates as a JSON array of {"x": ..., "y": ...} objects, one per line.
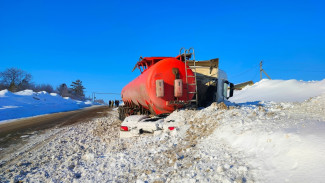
[
  {"x": 28, "y": 103},
  {"x": 282, "y": 143},
  {"x": 279, "y": 91}
]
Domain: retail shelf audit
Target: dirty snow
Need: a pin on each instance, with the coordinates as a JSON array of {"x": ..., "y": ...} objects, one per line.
[
  {"x": 250, "y": 142},
  {"x": 28, "y": 103}
]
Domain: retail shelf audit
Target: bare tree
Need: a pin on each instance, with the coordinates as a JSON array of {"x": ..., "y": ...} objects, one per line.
[
  {"x": 2, "y": 86},
  {"x": 25, "y": 84},
  {"x": 47, "y": 87},
  {"x": 43, "y": 87},
  {"x": 13, "y": 77}
]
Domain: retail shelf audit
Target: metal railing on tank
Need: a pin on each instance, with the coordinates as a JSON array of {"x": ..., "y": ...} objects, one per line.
[{"x": 188, "y": 53}]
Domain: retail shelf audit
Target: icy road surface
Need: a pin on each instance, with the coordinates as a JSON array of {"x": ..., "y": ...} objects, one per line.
[{"x": 263, "y": 142}]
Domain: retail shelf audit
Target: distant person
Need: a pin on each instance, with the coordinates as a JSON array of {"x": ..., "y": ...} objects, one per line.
[
  {"x": 109, "y": 103},
  {"x": 112, "y": 103},
  {"x": 116, "y": 103}
]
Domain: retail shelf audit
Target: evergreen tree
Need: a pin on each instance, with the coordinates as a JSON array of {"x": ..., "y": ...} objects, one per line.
[
  {"x": 77, "y": 89},
  {"x": 63, "y": 90}
]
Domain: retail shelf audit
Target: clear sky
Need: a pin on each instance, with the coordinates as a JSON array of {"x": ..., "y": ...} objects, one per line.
[{"x": 99, "y": 41}]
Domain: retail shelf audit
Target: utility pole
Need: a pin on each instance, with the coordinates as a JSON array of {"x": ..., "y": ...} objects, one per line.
[{"x": 262, "y": 70}]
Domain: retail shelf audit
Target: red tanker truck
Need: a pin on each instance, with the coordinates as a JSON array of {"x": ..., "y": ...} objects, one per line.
[{"x": 169, "y": 83}]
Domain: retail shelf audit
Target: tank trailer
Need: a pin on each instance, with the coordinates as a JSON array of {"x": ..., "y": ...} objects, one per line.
[{"x": 169, "y": 83}]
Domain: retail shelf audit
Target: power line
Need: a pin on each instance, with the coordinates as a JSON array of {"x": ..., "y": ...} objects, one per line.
[
  {"x": 255, "y": 76},
  {"x": 100, "y": 93},
  {"x": 108, "y": 93},
  {"x": 295, "y": 70},
  {"x": 244, "y": 72}
]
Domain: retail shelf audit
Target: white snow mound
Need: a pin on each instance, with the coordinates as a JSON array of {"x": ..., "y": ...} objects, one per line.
[
  {"x": 279, "y": 91},
  {"x": 28, "y": 103},
  {"x": 282, "y": 143}
]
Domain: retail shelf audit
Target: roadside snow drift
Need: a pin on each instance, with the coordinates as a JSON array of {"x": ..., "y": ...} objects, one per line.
[
  {"x": 279, "y": 91},
  {"x": 28, "y": 103},
  {"x": 283, "y": 142}
]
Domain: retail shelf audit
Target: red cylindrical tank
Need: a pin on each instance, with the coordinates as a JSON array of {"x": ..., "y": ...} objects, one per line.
[{"x": 142, "y": 90}]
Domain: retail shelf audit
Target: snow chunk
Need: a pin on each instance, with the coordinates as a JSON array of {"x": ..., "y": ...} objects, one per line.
[
  {"x": 53, "y": 94},
  {"x": 88, "y": 102},
  {"x": 88, "y": 157}
]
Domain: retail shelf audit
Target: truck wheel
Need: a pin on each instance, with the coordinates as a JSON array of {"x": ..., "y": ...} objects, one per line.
[{"x": 121, "y": 113}]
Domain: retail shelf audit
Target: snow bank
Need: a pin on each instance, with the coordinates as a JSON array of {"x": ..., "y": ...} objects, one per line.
[
  {"x": 283, "y": 143},
  {"x": 3, "y": 92},
  {"x": 26, "y": 92},
  {"x": 279, "y": 91},
  {"x": 28, "y": 103}
]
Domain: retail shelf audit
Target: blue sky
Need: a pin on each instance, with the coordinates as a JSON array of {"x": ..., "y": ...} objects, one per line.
[{"x": 99, "y": 42}]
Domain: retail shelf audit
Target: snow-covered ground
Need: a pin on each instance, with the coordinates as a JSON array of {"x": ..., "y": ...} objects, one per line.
[
  {"x": 28, "y": 103},
  {"x": 245, "y": 143},
  {"x": 279, "y": 91}
]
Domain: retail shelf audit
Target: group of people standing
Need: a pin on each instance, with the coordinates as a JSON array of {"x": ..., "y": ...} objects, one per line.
[{"x": 111, "y": 103}]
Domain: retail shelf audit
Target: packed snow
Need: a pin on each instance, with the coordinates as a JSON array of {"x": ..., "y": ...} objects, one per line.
[
  {"x": 28, "y": 103},
  {"x": 279, "y": 91},
  {"x": 240, "y": 143}
]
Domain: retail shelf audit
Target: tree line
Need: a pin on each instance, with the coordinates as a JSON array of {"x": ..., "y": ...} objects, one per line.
[{"x": 15, "y": 80}]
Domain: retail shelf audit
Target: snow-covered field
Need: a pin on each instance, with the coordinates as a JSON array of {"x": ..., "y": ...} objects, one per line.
[
  {"x": 28, "y": 103},
  {"x": 255, "y": 141}
]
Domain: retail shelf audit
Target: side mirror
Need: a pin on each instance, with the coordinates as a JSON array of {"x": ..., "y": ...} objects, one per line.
[
  {"x": 227, "y": 85},
  {"x": 232, "y": 87}
]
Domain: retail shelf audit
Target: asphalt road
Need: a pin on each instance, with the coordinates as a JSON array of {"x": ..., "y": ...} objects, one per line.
[{"x": 10, "y": 133}]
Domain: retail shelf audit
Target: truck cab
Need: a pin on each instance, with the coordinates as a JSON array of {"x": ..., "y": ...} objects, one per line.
[{"x": 212, "y": 82}]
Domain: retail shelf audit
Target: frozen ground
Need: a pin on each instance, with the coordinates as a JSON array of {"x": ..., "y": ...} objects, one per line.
[
  {"x": 28, "y": 103},
  {"x": 250, "y": 142}
]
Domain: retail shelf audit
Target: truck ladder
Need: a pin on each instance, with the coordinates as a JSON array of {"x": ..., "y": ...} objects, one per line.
[{"x": 194, "y": 101}]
